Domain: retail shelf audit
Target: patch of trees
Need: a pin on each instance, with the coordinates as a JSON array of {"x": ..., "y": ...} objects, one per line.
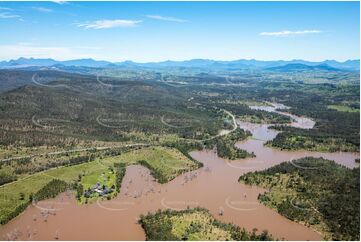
[
  {"x": 159, "y": 226},
  {"x": 15, "y": 212},
  {"x": 323, "y": 194},
  {"x": 6, "y": 176},
  {"x": 157, "y": 174},
  {"x": 226, "y": 145},
  {"x": 266, "y": 117},
  {"x": 20, "y": 161},
  {"x": 50, "y": 190},
  {"x": 228, "y": 151},
  {"x": 79, "y": 188},
  {"x": 255, "y": 116},
  {"x": 32, "y": 166},
  {"x": 70, "y": 162},
  {"x": 115, "y": 152},
  {"x": 314, "y": 139},
  {"x": 120, "y": 169}
]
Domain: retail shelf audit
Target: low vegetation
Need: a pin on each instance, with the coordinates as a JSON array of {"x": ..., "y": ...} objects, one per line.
[
  {"x": 316, "y": 192},
  {"x": 193, "y": 224}
]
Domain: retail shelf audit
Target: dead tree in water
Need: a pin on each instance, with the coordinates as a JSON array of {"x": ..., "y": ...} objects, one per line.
[
  {"x": 56, "y": 236},
  {"x": 221, "y": 211},
  {"x": 45, "y": 216},
  {"x": 28, "y": 230}
]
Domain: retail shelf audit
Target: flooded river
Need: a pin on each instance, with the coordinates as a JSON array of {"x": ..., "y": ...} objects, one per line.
[{"x": 214, "y": 187}]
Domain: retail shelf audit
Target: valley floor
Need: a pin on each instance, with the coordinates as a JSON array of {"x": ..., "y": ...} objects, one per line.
[{"x": 186, "y": 184}]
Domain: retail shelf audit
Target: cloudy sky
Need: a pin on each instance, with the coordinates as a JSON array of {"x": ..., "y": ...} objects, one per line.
[{"x": 144, "y": 31}]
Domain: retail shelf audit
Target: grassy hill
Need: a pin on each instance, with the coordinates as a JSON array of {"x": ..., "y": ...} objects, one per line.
[{"x": 193, "y": 224}]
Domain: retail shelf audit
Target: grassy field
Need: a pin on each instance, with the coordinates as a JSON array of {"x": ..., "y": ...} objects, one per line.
[
  {"x": 192, "y": 224},
  {"x": 342, "y": 108},
  {"x": 183, "y": 222},
  {"x": 165, "y": 163}
]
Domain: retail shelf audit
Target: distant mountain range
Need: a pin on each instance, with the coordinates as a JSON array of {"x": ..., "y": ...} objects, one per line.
[
  {"x": 298, "y": 65},
  {"x": 303, "y": 67}
]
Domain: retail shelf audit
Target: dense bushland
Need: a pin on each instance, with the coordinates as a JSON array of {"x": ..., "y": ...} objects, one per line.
[{"x": 314, "y": 191}]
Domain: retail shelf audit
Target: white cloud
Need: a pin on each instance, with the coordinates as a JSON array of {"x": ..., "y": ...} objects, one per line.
[
  {"x": 5, "y": 15},
  {"x": 163, "y": 18},
  {"x": 107, "y": 24},
  {"x": 59, "y": 1},
  {"x": 288, "y": 32},
  {"x": 7, "y": 9},
  {"x": 41, "y": 9}
]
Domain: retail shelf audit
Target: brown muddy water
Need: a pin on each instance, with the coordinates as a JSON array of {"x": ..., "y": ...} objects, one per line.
[{"x": 215, "y": 187}]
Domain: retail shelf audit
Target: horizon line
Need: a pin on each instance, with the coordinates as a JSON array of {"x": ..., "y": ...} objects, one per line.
[{"x": 183, "y": 60}]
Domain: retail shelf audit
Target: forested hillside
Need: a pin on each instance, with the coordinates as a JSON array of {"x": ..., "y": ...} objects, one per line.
[{"x": 316, "y": 192}]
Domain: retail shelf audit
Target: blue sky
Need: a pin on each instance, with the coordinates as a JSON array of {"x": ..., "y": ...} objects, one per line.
[{"x": 157, "y": 31}]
